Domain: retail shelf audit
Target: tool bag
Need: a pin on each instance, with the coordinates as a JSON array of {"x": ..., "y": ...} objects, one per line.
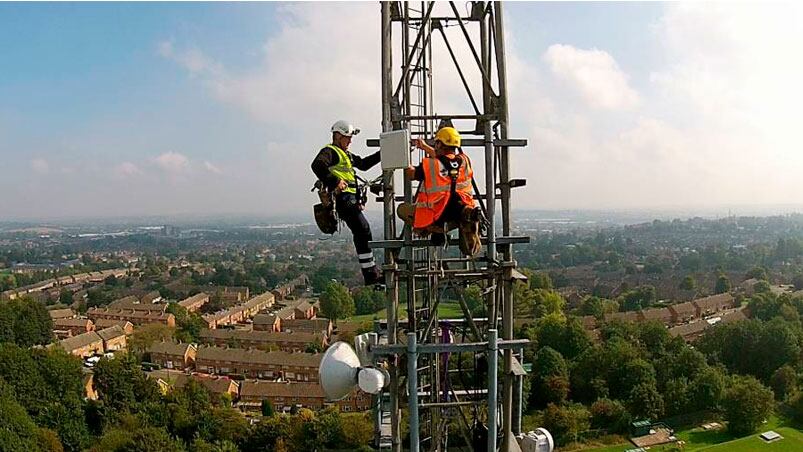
[{"x": 324, "y": 211}]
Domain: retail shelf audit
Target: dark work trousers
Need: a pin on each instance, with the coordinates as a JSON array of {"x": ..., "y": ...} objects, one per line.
[
  {"x": 348, "y": 209},
  {"x": 453, "y": 211}
]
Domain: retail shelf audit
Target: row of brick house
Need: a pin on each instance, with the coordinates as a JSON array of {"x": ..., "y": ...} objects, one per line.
[
  {"x": 248, "y": 363},
  {"x": 692, "y": 330},
  {"x": 91, "y": 277},
  {"x": 67, "y": 324},
  {"x": 258, "y": 364},
  {"x": 93, "y": 342},
  {"x": 241, "y": 312},
  {"x": 136, "y": 317},
  {"x": 286, "y": 341},
  {"x": 248, "y": 394},
  {"x": 687, "y": 320},
  {"x": 195, "y": 302},
  {"x": 674, "y": 314},
  {"x": 283, "y": 291}
]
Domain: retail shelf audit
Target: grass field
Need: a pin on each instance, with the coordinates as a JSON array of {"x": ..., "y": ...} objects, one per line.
[
  {"x": 445, "y": 311},
  {"x": 719, "y": 440},
  {"x": 792, "y": 441}
]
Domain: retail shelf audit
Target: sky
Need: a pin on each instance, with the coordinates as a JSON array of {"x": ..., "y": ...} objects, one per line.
[{"x": 136, "y": 109}]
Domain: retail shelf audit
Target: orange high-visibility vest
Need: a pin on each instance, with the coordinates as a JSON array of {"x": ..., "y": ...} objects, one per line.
[{"x": 436, "y": 189}]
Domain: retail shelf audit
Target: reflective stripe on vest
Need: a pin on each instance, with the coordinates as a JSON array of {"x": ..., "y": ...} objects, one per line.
[{"x": 343, "y": 170}]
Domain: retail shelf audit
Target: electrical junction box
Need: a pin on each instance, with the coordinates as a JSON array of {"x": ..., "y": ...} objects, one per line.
[{"x": 394, "y": 149}]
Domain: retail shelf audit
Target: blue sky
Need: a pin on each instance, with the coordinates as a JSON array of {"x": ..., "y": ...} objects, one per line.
[{"x": 118, "y": 109}]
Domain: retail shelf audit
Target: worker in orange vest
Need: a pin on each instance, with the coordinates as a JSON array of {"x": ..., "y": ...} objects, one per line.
[{"x": 445, "y": 199}]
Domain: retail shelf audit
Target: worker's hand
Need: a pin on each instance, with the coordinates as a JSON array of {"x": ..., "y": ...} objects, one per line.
[
  {"x": 342, "y": 185},
  {"x": 409, "y": 172},
  {"x": 420, "y": 144}
]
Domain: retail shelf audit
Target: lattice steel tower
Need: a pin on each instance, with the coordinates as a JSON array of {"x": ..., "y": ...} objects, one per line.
[{"x": 444, "y": 372}]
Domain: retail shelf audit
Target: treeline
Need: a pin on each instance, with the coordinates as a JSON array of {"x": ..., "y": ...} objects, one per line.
[
  {"x": 739, "y": 372},
  {"x": 706, "y": 246}
]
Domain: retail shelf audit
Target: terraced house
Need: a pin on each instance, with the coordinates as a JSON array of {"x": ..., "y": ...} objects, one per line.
[
  {"x": 287, "y": 341},
  {"x": 258, "y": 364}
]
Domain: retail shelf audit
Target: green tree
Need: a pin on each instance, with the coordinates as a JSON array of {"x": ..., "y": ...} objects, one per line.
[
  {"x": 688, "y": 283},
  {"x": 757, "y": 273},
  {"x": 336, "y": 302},
  {"x": 722, "y": 285},
  {"x": 18, "y": 431},
  {"x": 641, "y": 298},
  {"x": 25, "y": 322},
  {"x": 611, "y": 415},
  {"x": 358, "y": 430},
  {"x": 761, "y": 287},
  {"x": 122, "y": 387},
  {"x": 565, "y": 422},
  {"x": 676, "y": 396},
  {"x": 267, "y": 408},
  {"x": 546, "y": 302},
  {"x": 539, "y": 280},
  {"x": 549, "y": 378},
  {"x": 364, "y": 301},
  {"x": 645, "y": 401},
  {"x": 747, "y": 403},
  {"x": 784, "y": 382},
  {"x": 797, "y": 281},
  {"x": 567, "y": 336},
  {"x": 708, "y": 388},
  {"x": 65, "y": 297},
  {"x": 474, "y": 300}
]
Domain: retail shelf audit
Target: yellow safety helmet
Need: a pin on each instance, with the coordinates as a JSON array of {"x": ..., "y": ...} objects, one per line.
[{"x": 448, "y": 136}]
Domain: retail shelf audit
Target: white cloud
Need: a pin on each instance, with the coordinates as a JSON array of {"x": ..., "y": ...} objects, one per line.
[
  {"x": 126, "y": 169},
  {"x": 165, "y": 49},
  {"x": 594, "y": 74},
  {"x": 718, "y": 112},
  {"x": 40, "y": 166},
  {"x": 212, "y": 168},
  {"x": 306, "y": 79},
  {"x": 172, "y": 162}
]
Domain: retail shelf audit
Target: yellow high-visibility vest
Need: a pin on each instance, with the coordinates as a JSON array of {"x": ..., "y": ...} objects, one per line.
[{"x": 343, "y": 170}]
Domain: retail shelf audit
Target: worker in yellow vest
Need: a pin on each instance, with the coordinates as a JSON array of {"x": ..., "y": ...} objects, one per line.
[
  {"x": 445, "y": 196},
  {"x": 335, "y": 168}
]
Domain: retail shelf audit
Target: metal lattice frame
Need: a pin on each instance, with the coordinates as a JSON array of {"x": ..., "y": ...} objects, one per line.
[{"x": 423, "y": 272}]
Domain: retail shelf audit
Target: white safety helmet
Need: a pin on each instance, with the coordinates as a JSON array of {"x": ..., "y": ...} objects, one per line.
[{"x": 345, "y": 128}]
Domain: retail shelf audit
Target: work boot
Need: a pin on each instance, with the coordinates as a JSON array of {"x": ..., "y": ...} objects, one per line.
[
  {"x": 469, "y": 233},
  {"x": 373, "y": 276},
  {"x": 406, "y": 212}
]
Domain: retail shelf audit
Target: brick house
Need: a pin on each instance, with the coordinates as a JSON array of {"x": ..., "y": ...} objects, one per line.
[
  {"x": 267, "y": 322},
  {"x": 662, "y": 315},
  {"x": 258, "y": 364},
  {"x": 114, "y": 338},
  {"x": 172, "y": 355},
  {"x": 317, "y": 325},
  {"x": 127, "y": 326},
  {"x": 173, "y": 379},
  {"x": 74, "y": 326},
  {"x": 304, "y": 310},
  {"x": 713, "y": 304},
  {"x": 284, "y": 396},
  {"x": 689, "y": 331},
  {"x": 290, "y": 342},
  {"x": 131, "y": 315},
  {"x": 682, "y": 312},
  {"x": 83, "y": 345},
  {"x": 194, "y": 302},
  {"x": 61, "y": 313}
]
